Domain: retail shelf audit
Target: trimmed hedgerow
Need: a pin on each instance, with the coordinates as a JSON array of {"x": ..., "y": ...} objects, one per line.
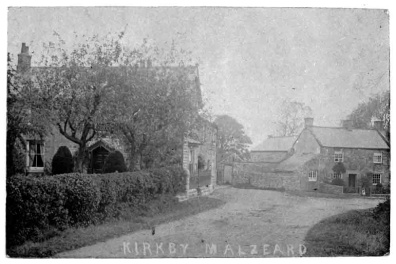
[{"x": 38, "y": 207}]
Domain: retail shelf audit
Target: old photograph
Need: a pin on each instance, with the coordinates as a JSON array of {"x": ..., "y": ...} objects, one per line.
[{"x": 197, "y": 132}]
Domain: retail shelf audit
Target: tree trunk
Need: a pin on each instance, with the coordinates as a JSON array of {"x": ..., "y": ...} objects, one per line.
[{"x": 80, "y": 159}]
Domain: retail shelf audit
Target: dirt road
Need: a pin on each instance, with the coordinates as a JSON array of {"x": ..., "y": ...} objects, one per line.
[{"x": 253, "y": 223}]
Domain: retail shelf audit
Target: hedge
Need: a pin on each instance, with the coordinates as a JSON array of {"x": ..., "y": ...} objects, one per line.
[{"x": 38, "y": 207}]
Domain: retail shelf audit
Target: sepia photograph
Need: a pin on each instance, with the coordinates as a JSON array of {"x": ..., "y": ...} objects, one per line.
[{"x": 142, "y": 132}]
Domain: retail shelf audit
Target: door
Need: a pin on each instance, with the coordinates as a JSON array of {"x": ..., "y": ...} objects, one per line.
[
  {"x": 99, "y": 156},
  {"x": 352, "y": 180},
  {"x": 227, "y": 174}
]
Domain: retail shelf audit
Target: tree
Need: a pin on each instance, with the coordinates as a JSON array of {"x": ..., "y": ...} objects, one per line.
[
  {"x": 377, "y": 106},
  {"x": 62, "y": 162},
  {"x": 291, "y": 118},
  {"x": 24, "y": 117},
  {"x": 73, "y": 85},
  {"x": 231, "y": 137},
  {"x": 153, "y": 108}
]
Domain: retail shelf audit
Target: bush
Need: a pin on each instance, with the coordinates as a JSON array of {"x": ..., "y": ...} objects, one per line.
[
  {"x": 38, "y": 207},
  {"x": 63, "y": 161},
  {"x": 338, "y": 182},
  {"x": 114, "y": 162},
  {"x": 339, "y": 168}
]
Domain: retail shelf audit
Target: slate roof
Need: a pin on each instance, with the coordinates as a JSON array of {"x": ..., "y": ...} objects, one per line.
[
  {"x": 354, "y": 138},
  {"x": 276, "y": 144}
]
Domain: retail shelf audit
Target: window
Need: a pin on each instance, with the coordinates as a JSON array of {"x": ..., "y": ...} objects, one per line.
[
  {"x": 376, "y": 178},
  {"x": 313, "y": 176},
  {"x": 337, "y": 176},
  {"x": 377, "y": 158},
  {"x": 338, "y": 156},
  {"x": 36, "y": 155}
]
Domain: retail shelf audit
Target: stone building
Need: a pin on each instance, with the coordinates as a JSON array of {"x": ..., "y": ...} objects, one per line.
[
  {"x": 273, "y": 149},
  {"x": 317, "y": 151},
  {"x": 41, "y": 151},
  {"x": 362, "y": 152}
]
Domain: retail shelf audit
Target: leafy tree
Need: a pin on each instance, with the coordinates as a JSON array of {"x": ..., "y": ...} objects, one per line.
[
  {"x": 377, "y": 106},
  {"x": 74, "y": 84},
  {"x": 291, "y": 118},
  {"x": 231, "y": 137},
  {"x": 62, "y": 161},
  {"x": 153, "y": 108},
  {"x": 114, "y": 162}
]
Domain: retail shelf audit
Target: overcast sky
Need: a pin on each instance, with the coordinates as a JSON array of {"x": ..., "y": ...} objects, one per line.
[{"x": 250, "y": 58}]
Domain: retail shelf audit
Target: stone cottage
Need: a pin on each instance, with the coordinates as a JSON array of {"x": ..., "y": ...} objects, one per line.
[
  {"x": 273, "y": 149},
  {"x": 316, "y": 153},
  {"x": 362, "y": 152},
  {"x": 41, "y": 151}
]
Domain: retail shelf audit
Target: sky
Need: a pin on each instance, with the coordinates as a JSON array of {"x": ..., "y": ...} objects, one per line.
[{"x": 250, "y": 59}]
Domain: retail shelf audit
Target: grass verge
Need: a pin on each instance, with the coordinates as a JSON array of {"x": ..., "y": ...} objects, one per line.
[
  {"x": 73, "y": 238},
  {"x": 355, "y": 233}
]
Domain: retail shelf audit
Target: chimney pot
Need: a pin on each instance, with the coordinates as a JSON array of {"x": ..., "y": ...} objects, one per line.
[
  {"x": 347, "y": 124},
  {"x": 308, "y": 122},
  {"x": 379, "y": 125},
  {"x": 24, "y": 59}
]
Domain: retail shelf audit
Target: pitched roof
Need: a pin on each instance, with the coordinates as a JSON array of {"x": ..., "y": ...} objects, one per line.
[
  {"x": 349, "y": 138},
  {"x": 294, "y": 162},
  {"x": 276, "y": 144}
]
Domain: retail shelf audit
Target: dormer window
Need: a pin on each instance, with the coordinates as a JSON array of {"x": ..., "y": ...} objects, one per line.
[
  {"x": 377, "y": 158},
  {"x": 338, "y": 156}
]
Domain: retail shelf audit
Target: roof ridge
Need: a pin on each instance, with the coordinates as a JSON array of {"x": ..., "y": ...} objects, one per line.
[{"x": 343, "y": 128}]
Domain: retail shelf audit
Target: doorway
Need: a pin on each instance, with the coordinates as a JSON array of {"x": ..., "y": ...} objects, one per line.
[
  {"x": 352, "y": 180},
  {"x": 99, "y": 156},
  {"x": 227, "y": 174}
]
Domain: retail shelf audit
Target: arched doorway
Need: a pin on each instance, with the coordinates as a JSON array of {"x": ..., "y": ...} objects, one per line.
[{"x": 99, "y": 156}]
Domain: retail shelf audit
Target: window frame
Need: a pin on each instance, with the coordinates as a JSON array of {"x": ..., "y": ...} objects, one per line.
[
  {"x": 338, "y": 152},
  {"x": 29, "y": 157},
  {"x": 377, "y": 154},
  {"x": 313, "y": 176},
  {"x": 380, "y": 178},
  {"x": 335, "y": 177}
]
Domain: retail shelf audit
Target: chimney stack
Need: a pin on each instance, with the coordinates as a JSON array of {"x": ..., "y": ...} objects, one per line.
[
  {"x": 24, "y": 59},
  {"x": 379, "y": 125},
  {"x": 308, "y": 122},
  {"x": 347, "y": 124}
]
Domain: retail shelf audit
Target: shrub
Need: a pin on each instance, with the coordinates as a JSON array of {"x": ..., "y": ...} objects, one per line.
[
  {"x": 339, "y": 168},
  {"x": 63, "y": 161},
  {"x": 37, "y": 207},
  {"x": 34, "y": 205},
  {"x": 114, "y": 162},
  {"x": 338, "y": 182}
]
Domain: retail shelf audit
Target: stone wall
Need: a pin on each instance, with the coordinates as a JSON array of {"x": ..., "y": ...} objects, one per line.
[
  {"x": 356, "y": 161},
  {"x": 267, "y": 156},
  {"x": 259, "y": 176},
  {"x": 328, "y": 188}
]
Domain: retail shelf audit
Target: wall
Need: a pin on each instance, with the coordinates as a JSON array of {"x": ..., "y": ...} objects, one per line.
[
  {"x": 306, "y": 143},
  {"x": 356, "y": 161},
  {"x": 262, "y": 177},
  {"x": 329, "y": 188},
  {"x": 267, "y": 156}
]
